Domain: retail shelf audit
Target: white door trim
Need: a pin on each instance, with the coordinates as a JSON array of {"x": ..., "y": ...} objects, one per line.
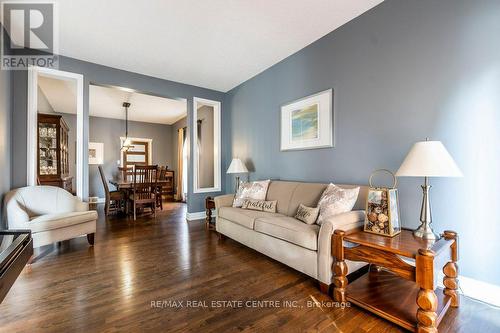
[
  {"x": 150, "y": 149},
  {"x": 32, "y": 125},
  {"x": 217, "y": 145}
]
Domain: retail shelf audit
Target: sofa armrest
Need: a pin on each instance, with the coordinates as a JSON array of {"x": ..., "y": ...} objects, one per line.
[
  {"x": 81, "y": 206},
  {"x": 76, "y": 204},
  {"x": 14, "y": 214},
  {"x": 344, "y": 221},
  {"x": 225, "y": 200}
]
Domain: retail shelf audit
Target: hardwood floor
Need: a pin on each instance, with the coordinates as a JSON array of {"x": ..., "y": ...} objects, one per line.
[{"x": 110, "y": 287}]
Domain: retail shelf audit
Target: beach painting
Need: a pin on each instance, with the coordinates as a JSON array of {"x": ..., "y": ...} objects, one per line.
[{"x": 307, "y": 123}]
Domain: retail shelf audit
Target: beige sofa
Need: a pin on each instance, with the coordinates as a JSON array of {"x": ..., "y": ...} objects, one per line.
[
  {"x": 306, "y": 248},
  {"x": 51, "y": 213}
]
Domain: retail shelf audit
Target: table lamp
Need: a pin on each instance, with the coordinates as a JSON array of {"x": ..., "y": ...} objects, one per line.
[
  {"x": 237, "y": 167},
  {"x": 428, "y": 159}
]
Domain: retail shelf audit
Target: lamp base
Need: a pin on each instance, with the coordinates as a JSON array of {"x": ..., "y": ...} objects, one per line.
[
  {"x": 424, "y": 231},
  {"x": 237, "y": 184}
]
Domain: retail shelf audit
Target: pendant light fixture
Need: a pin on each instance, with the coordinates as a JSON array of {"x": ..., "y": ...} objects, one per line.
[{"x": 126, "y": 143}]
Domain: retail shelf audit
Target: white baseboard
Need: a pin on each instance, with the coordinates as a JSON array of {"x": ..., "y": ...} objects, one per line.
[
  {"x": 99, "y": 200},
  {"x": 479, "y": 290},
  {"x": 195, "y": 216}
]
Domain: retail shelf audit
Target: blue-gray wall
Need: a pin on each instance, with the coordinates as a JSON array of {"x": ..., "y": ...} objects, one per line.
[
  {"x": 103, "y": 75},
  {"x": 401, "y": 72}
]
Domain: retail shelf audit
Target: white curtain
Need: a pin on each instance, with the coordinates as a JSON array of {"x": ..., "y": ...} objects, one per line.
[{"x": 179, "y": 195}]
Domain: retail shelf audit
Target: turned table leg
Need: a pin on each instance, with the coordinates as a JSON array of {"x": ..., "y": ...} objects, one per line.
[
  {"x": 426, "y": 299},
  {"x": 208, "y": 218},
  {"x": 426, "y": 313},
  {"x": 450, "y": 271},
  {"x": 339, "y": 267},
  {"x": 209, "y": 205}
]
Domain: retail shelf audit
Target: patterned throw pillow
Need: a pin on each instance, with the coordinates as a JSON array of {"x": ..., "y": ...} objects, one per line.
[
  {"x": 251, "y": 190},
  {"x": 260, "y": 205},
  {"x": 307, "y": 214},
  {"x": 336, "y": 200}
]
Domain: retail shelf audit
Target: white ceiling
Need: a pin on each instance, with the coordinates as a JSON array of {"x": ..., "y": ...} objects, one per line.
[
  {"x": 214, "y": 44},
  {"x": 58, "y": 95},
  {"x": 106, "y": 102}
]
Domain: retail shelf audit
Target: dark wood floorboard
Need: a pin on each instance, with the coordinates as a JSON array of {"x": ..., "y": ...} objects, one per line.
[{"x": 109, "y": 287}]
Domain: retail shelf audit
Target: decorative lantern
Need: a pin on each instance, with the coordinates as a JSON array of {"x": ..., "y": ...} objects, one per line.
[{"x": 382, "y": 208}]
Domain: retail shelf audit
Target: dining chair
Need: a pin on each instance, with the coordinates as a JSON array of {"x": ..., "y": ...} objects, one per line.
[
  {"x": 144, "y": 189},
  {"x": 126, "y": 173},
  {"x": 113, "y": 199},
  {"x": 159, "y": 190}
]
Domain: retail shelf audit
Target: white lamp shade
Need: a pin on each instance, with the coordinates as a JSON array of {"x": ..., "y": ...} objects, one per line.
[
  {"x": 237, "y": 166},
  {"x": 428, "y": 159}
]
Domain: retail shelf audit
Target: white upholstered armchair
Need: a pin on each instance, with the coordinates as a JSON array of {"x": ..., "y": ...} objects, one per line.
[{"x": 51, "y": 213}]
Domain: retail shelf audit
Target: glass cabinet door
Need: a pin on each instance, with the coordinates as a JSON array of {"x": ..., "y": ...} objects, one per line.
[
  {"x": 64, "y": 152},
  {"x": 47, "y": 148}
]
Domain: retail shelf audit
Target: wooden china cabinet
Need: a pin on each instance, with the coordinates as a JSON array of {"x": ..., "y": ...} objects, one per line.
[{"x": 53, "y": 152}]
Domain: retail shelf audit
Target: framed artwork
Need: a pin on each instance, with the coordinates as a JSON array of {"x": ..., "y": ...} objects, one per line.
[
  {"x": 96, "y": 153},
  {"x": 308, "y": 122}
]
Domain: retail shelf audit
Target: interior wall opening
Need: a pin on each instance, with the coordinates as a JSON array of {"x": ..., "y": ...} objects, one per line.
[{"x": 127, "y": 129}]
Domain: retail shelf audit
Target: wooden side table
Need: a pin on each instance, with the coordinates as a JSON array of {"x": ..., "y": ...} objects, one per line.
[
  {"x": 209, "y": 205},
  {"x": 395, "y": 289}
]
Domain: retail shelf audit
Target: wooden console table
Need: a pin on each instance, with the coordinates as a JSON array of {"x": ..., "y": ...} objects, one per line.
[{"x": 405, "y": 291}]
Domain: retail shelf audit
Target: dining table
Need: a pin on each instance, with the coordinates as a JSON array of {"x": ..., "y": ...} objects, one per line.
[
  {"x": 127, "y": 185},
  {"x": 122, "y": 184}
]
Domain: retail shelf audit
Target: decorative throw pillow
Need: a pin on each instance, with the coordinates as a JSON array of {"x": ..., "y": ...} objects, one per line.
[
  {"x": 260, "y": 205},
  {"x": 251, "y": 190},
  {"x": 336, "y": 200},
  {"x": 307, "y": 214}
]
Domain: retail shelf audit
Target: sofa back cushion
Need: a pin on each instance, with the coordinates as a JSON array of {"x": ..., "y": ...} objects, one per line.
[
  {"x": 282, "y": 192},
  {"x": 290, "y": 195},
  {"x": 41, "y": 200},
  {"x": 307, "y": 194}
]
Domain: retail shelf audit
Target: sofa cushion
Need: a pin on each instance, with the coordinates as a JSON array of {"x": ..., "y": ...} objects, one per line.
[
  {"x": 251, "y": 190},
  {"x": 260, "y": 205},
  {"x": 307, "y": 194},
  {"x": 291, "y": 194},
  {"x": 336, "y": 200},
  {"x": 282, "y": 192},
  {"x": 306, "y": 214},
  {"x": 56, "y": 221},
  {"x": 290, "y": 230},
  {"x": 243, "y": 217}
]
